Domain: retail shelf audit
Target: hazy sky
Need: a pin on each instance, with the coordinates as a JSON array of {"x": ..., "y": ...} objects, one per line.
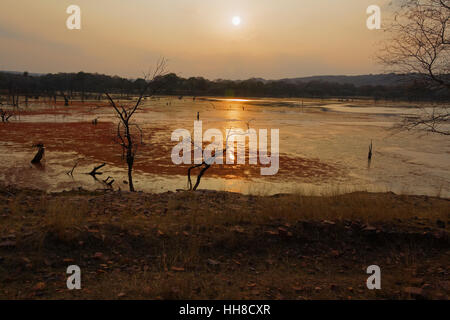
[{"x": 276, "y": 39}]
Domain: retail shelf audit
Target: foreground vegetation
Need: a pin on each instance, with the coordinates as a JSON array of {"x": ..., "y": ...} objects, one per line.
[{"x": 218, "y": 245}]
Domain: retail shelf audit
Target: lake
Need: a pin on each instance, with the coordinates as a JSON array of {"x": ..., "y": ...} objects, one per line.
[{"x": 323, "y": 146}]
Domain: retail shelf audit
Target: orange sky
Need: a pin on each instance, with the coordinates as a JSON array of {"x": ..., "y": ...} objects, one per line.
[{"x": 276, "y": 39}]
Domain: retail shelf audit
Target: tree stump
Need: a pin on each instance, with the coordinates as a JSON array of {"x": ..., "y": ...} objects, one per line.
[{"x": 38, "y": 157}]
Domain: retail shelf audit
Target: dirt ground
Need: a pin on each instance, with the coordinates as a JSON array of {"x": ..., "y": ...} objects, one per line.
[{"x": 218, "y": 245}]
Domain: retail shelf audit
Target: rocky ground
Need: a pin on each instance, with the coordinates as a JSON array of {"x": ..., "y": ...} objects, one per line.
[{"x": 217, "y": 245}]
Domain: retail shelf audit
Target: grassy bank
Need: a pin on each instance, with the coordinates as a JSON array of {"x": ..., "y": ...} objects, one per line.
[{"x": 218, "y": 245}]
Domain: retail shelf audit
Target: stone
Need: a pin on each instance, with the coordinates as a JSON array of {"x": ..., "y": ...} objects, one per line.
[{"x": 213, "y": 262}]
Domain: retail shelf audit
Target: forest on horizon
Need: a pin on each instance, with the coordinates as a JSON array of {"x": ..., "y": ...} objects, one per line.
[{"x": 92, "y": 85}]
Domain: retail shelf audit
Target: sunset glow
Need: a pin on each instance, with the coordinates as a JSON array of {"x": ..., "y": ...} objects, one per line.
[
  {"x": 199, "y": 38},
  {"x": 236, "y": 20}
]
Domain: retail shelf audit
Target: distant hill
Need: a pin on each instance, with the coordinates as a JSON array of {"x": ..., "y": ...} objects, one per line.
[
  {"x": 390, "y": 79},
  {"x": 21, "y": 72}
]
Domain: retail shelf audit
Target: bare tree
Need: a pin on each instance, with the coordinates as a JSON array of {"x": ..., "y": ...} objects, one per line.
[
  {"x": 66, "y": 99},
  {"x": 126, "y": 128},
  {"x": 207, "y": 163},
  {"x": 5, "y": 115},
  {"x": 418, "y": 44}
]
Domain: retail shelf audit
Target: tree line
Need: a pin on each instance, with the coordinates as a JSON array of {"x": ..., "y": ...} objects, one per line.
[{"x": 93, "y": 85}]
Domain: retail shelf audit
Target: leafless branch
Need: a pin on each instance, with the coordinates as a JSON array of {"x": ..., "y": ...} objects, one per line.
[
  {"x": 125, "y": 136},
  {"x": 95, "y": 172},
  {"x": 207, "y": 163},
  {"x": 418, "y": 44},
  {"x": 70, "y": 173}
]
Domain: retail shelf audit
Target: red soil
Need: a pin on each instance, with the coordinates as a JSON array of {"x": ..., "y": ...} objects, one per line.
[
  {"x": 97, "y": 142},
  {"x": 59, "y": 108}
]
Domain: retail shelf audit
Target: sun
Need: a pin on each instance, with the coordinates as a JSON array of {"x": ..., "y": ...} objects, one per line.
[{"x": 236, "y": 20}]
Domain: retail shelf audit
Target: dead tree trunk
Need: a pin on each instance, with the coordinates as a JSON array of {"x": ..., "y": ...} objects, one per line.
[
  {"x": 70, "y": 173},
  {"x": 108, "y": 182},
  {"x": 369, "y": 157},
  {"x": 38, "y": 157},
  {"x": 95, "y": 172},
  {"x": 66, "y": 99},
  {"x": 199, "y": 177},
  {"x": 206, "y": 164},
  {"x": 15, "y": 100},
  {"x": 130, "y": 162},
  {"x": 5, "y": 115}
]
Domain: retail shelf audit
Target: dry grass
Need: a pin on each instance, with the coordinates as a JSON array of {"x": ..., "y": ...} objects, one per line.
[
  {"x": 64, "y": 219},
  {"x": 365, "y": 207},
  {"x": 59, "y": 218},
  {"x": 215, "y": 245}
]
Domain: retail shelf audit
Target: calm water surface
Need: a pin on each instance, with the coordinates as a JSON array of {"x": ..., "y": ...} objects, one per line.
[{"x": 323, "y": 147}]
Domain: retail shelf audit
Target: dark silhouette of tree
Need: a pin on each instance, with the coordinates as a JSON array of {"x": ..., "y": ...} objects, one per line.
[
  {"x": 419, "y": 44},
  {"x": 125, "y": 127},
  {"x": 81, "y": 86}
]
